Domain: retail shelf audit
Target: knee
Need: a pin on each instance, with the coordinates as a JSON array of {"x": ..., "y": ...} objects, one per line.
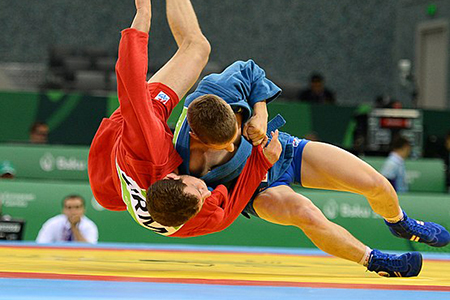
[
  {"x": 200, "y": 46},
  {"x": 307, "y": 216},
  {"x": 203, "y": 45},
  {"x": 376, "y": 186}
]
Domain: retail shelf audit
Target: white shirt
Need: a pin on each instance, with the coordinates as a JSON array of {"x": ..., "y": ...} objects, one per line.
[
  {"x": 394, "y": 170},
  {"x": 57, "y": 229}
]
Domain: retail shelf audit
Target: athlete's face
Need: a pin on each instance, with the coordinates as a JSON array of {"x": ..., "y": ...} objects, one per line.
[
  {"x": 227, "y": 146},
  {"x": 194, "y": 186}
]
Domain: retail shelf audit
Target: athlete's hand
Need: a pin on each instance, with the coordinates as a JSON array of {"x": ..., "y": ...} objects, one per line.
[
  {"x": 272, "y": 151},
  {"x": 255, "y": 129}
]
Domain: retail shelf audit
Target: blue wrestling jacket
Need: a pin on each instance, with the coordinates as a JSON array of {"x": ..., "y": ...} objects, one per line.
[{"x": 241, "y": 85}]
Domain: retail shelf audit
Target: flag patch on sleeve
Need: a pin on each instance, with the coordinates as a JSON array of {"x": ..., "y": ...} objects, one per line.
[{"x": 162, "y": 97}]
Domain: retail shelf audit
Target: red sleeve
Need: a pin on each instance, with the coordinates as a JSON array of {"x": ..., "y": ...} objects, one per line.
[
  {"x": 145, "y": 108},
  {"x": 221, "y": 209}
]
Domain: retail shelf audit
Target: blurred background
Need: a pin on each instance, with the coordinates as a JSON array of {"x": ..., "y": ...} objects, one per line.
[{"x": 354, "y": 73}]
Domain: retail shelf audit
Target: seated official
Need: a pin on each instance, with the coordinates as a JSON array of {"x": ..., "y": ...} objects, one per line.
[{"x": 72, "y": 225}]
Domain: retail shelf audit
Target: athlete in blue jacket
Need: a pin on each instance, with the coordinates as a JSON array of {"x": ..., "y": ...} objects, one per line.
[{"x": 243, "y": 86}]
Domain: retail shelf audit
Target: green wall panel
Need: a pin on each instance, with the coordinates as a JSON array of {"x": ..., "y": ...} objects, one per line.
[
  {"x": 423, "y": 175},
  {"x": 331, "y": 122},
  {"x": 354, "y": 213},
  {"x": 36, "y": 201},
  {"x": 17, "y": 112},
  {"x": 436, "y": 122},
  {"x": 74, "y": 118},
  {"x": 297, "y": 116},
  {"x": 47, "y": 162},
  {"x": 70, "y": 163}
]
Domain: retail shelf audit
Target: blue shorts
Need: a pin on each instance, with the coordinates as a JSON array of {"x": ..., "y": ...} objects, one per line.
[{"x": 292, "y": 175}]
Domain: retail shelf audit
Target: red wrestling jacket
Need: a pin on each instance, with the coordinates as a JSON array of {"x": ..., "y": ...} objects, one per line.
[{"x": 133, "y": 148}]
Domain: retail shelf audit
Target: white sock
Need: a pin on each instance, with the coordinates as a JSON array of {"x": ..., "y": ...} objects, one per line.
[
  {"x": 365, "y": 259},
  {"x": 396, "y": 218}
]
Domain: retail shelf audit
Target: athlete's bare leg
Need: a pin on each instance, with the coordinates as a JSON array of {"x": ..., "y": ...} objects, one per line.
[
  {"x": 328, "y": 167},
  {"x": 282, "y": 205},
  {"x": 183, "y": 69}
]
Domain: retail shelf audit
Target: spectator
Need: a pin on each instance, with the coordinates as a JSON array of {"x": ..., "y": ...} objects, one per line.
[
  {"x": 317, "y": 93},
  {"x": 7, "y": 170},
  {"x": 72, "y": 225},
  {"x": 394, "y": 166},
  {"x": 39, "y": 133}
]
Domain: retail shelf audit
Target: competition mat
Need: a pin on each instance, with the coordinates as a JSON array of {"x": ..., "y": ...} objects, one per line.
[{"x": 123, "y": 271}]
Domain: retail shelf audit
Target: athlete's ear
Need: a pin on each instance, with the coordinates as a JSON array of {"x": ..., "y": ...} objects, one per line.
[
  {"x": 172, "y": 176},
  {"x": 206, "y": 195}
]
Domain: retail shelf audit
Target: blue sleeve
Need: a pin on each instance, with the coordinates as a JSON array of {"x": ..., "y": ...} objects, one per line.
[{"x": 240, "y": 82}]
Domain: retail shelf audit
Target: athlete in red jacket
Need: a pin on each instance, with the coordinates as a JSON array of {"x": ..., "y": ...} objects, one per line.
[{"x": 133, "y": 148}]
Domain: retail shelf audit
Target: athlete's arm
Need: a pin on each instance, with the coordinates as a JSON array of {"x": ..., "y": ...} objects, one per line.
[
  {"x": 256, "y": 127},
  {"x": 221, "y": 209},
  {"x": 241, "y": 190},
  {"x": 143, "y": 15},
  {"x": 144, "y": 134}
]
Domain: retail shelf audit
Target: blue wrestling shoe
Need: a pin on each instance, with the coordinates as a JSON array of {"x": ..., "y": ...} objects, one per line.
[
  {"x": 417, "y": 231},
  {"x": 391, "y": 265}
]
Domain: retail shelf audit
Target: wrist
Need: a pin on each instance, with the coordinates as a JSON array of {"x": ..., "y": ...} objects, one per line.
[
  {"x": 141, "y": 21},
  {"x": 264, "y": 160},
  {"x": 260, "y": 109},
  {"x": 144, "y": 11}
]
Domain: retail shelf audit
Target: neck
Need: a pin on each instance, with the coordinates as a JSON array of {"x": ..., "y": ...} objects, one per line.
[{"x": 401, "y": 154}]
